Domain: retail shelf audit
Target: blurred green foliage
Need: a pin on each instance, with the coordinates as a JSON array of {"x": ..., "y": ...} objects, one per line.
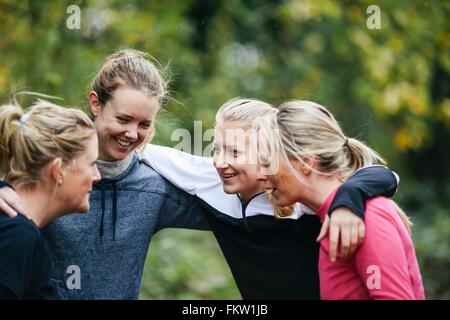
[{"x": 389, "y": 87}]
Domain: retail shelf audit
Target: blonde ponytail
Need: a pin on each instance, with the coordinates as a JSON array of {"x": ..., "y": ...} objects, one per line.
[
  {"x": 305, "y": 129},
  {"x": 358, "y": 155},
  {"x": 9, "y": 122}
]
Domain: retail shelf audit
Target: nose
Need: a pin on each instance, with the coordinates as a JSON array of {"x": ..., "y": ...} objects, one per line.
[
  {"x": 97, "y": 176},
  {"x": 219, "y": 161},
  {"x": 131, "y": 133}
]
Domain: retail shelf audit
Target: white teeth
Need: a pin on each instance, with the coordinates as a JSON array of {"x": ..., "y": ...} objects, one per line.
[
  {"x": 270, "y": 190},
  {"x": 123, "y": 143},
  {"x": 228, "y": 175}
]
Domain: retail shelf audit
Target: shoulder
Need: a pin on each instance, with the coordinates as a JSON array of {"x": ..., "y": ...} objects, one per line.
[
  {"x": 144, "y": 179},
  {"x": 18, "y": 224},
  {"x": 383, "y": 221},
  {"x": 18, "y": 233},
  {"x": 379, "y": 209},
  {"x": 141, "y": 176}
]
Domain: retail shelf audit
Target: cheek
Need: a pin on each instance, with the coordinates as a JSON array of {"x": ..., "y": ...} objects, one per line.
[
  {"x": 143, "y": 134},
  {"x": 248, "y": 173},
  {"x": 291, "y": 187},
  {"x": 106, "y": 130},
  {"x": 81, "y": 179},
  {"x": 282, "y": 182}
]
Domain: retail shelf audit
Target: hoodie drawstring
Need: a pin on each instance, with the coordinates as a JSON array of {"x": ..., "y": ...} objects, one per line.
[
  {"x": 102, "y": 186},
  {"x": 114, "y": 213},
  {"x": 114, "y": 207}
]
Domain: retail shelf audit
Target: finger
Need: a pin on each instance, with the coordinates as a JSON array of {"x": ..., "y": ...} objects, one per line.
[
  {"x": 13, "y": 200},
  {"x": 7, "y": 209},
  {"x": 324, "y": 229},
  {"x": 334, "y": 237},
  {"x": 361, "y": 233},
  {"x": 353, "y": 240},
  {"x": 345, "y": 241}
]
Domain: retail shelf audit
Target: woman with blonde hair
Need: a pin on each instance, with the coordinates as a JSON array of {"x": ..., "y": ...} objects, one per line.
[
  {"x": 48, "y": 156},
  {"x": 305, "y": 156},
  {"x": 271, "y": 250}
]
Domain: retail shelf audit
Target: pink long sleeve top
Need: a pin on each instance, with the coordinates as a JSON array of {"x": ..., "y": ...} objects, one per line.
[{"x": 383, "y": 267}]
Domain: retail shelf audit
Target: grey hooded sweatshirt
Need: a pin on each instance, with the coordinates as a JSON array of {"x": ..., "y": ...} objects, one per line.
[{"x": 101, "y": 254}]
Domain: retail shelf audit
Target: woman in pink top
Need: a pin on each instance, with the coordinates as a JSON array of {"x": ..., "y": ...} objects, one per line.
[{"x": 304, "y": 157}]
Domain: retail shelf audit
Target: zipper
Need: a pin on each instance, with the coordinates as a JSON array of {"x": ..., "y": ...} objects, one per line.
[{"x": 244, "y": 208}]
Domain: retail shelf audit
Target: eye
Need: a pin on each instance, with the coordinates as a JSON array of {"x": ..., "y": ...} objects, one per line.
[
  {"x": 145, "y": 125},
  {"x": 236, "y": 153},
  {"x": 264, "y": 161},
  {"x": 122, "y": 120}
]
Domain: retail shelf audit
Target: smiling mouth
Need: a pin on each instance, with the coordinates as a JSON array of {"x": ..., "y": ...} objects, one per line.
[
  {"x": 123, "y": 143},
  {"x": 228, "y": 175},
  {"x": 270, "y": 190}
]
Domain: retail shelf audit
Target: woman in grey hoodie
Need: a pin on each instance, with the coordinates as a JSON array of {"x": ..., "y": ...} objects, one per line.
[{"x": 101, "y": 255}]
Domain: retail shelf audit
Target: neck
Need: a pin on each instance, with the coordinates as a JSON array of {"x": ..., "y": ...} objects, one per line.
[
  {"x": 248, "y": 194},
  {"x": 112, "y": 169},
  {"x": 38, "y": 205},
  {"x": 318, "y": 190}
]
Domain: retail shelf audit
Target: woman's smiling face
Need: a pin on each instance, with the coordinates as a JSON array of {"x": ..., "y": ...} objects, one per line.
[
  {"x": 124, "y": 122},
  {"x": 232, "y": 158},
  {"x": 282, "y": 184}
]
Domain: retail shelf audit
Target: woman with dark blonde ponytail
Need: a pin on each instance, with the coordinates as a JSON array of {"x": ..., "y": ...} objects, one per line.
[
  {"x": 305, "y": 156},
  {"x": 48, "y": 156}
]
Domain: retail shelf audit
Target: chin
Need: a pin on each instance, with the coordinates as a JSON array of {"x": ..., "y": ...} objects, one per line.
[
  {"x": 117, "y": 155},
  {"x": 282, "y": 202},
  {"x": 84, "y": 208},
  {"x": 230, "y": 189}
]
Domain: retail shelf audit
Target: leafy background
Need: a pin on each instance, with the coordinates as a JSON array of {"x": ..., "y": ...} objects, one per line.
[{"x": 389, "y": 87}]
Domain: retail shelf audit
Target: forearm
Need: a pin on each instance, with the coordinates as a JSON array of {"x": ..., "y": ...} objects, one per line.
[
  {"x": 187, "y": 172},
  {"x": 366, "y": 183}
]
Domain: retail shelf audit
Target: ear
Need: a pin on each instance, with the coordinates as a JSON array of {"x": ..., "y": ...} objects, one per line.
[
  {"x": 94, "y": 103},
  {"x": 55, "y": 169},
  {"x": 306, "y": 166}
]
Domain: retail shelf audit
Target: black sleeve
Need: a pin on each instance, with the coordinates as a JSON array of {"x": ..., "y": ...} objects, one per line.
[
  {"x": 42, "y": 286},
  {"x": 5, "y": 184},
  {"x": 366, "y": 183}
]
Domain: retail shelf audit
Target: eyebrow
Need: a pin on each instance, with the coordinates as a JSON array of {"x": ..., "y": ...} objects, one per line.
[
  {"x": 124, "y": 115},
  {"x": 264, "y": 159},
  {"x": 233, "y": 147},
  {"x": 131, "y": 117}
]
